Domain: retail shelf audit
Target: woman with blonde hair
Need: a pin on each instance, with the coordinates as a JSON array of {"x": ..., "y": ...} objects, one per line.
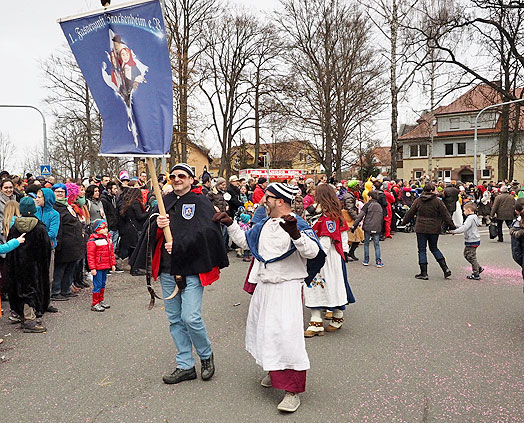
[
  {"x": 330, "y": 288},
  {"x": 11, "y": 211}
]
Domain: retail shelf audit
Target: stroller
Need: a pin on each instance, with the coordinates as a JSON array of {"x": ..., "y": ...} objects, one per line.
[{"x": 399, "y": 212}]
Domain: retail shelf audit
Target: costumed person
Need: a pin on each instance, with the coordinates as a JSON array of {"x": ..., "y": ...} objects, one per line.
[
  {"x": 100, "y": 259},
  {"x": 191, "y": 261},
  {"x": 350, "y": 213},
  {"x": 330, "y": 288},
  {"x": 390, "y": 198},
  {"x": 368, "y": 187},
  {"x": 284, "y": 248},
  {"x": 28, "y": 268}
]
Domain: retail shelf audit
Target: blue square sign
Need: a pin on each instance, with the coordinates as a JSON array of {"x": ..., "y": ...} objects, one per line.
[{"x": 45, "y": 170}]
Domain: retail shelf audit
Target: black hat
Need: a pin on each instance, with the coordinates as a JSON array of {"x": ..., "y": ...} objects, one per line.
[{"x": 262, "y": 180}]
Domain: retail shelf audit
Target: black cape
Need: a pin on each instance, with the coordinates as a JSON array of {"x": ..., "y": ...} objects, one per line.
[
  {"x": 198, "y": 244},
  {"x": 27, "y": 267}
]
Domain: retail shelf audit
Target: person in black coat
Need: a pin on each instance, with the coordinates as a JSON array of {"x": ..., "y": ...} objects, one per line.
[
  {"x": 132, "y": 217},
  {"x": 234, "y": 190},
  {"x": 28, "y": 268},
  {"x": 70, "y": 246}
]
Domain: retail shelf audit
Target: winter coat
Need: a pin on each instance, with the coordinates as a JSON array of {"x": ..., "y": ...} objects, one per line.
[
  {"x": 49, "y": 216},
  {"x": 3, "y": 200},
  {"x": 100, "y": 252},
  {"x": 70, "y": 241},
  {"x": 234, "y": 202},
  {"x": 373, "y": 216},
  {"x": 470, "y": 229},
  {"x": 430, "y": 212},
  {"x": 503, "y": 207},
  {"x": 109, "y": 203},
  {"x": 28, "y": 266},
  {"x": 382, "y": 201},
  {"x": 349, "y": 203},
  {"x": 258, "y": 194},
  {"x": 217, "y": 198},
  {"x": 96, "y": 209},
  {"x": 450, "y": 197},
  {"x": 131, "y": 227},
  {"x": 517, "y": 243}
]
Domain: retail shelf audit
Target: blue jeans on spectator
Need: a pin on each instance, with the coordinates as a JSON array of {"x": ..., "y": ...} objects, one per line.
[
  {"x": 431, "y": 240},
  {"x": 184, "y": 313},
  {"x": 376, "y": 244},
  {"x": 114, "y": 237}
]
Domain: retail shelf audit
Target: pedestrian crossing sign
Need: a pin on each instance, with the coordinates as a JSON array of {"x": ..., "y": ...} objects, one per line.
[{"x": 45, "y": 170}]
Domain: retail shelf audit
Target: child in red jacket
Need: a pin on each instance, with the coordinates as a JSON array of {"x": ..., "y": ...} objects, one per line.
[{"x": 100, "y": 258}]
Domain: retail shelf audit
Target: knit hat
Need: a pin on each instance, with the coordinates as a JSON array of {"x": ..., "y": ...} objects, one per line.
[
  {"x": 262, "y": 180},
  {"x": 353, "y": 183},
  {"x": 59, "y": 185},
  {"x": 98, "y": 224},
  {"x": 220, "y": 181},
  {"x": 27, "y": 207},
  {"x": 185, "y": 167},
  {"x": 284, "y": 191},
  {"x": 124, "y": 175}
]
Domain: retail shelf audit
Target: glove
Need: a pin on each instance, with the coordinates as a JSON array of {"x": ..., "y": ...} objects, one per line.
[
  {"x": 223, "y": 218},
  {"x": 290, "y": 226}
]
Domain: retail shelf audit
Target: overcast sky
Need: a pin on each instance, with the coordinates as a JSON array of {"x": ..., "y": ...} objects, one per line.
[{"x": 29, "y": 33}]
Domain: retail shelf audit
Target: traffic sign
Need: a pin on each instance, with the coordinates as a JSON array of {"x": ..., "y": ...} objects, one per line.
[{"x": 45, "y": 170}]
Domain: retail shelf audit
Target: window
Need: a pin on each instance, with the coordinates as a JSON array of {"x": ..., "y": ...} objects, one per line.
[
  {"x": 486, "y": 173},
  {"x": 418, "y": 150},
  {"x": 448, "y": 149},
  {"x": 461, "y": 148},
  {"x": 418, "y": 174},
  {"x": 439, "y": 174},
  {"x": 454, "y": 123},
  {"x": 447, "y": 174}
]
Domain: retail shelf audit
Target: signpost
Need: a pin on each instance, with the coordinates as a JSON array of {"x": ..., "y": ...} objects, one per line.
[{"x": 45, "y": 170}]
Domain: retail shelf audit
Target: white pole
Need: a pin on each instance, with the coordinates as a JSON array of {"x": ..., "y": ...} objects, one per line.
[{"x": 475, "y": 137}]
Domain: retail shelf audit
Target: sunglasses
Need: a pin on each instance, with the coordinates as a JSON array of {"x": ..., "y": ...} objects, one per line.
[{"x": 178, "y": 175}]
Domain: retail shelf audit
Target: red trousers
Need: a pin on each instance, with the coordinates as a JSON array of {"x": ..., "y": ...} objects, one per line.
[{"x": 289, "y": 380}]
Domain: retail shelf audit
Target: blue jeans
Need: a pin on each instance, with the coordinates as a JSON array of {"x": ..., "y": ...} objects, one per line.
[
  {"x": 114, "y": 237},
  {"x": 63, "y": 277},
  {"x": 376, "y": 244},
  {"x": 184, "y": 313},
  {"x": 431, "y": 240}
]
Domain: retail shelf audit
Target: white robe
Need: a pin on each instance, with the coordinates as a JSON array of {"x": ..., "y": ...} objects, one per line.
[
  {"x": 328, "y": 288},
  {"x": 275, "y": 323}
]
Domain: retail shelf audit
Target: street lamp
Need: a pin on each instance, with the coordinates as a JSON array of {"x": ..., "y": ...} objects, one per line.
[
  {"x": 46, "y": 157},
  {"x": 475, "y": 138}
]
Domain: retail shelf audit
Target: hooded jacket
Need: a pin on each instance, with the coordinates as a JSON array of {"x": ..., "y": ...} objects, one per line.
[
  {"x": 28, "y": 266},
  {"x": 100, "y": 252},
  {"x": 470, "y": 230},
  {"x": 431, "y": 212},
  {"x": 49, "y": 216}
]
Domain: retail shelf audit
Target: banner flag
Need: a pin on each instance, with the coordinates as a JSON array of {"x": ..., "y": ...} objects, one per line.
[{"x": 123, "y": 55}]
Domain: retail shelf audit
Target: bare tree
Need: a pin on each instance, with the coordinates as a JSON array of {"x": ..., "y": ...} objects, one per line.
[
  {"x": 231, "y": 46},
  {"x": 333, "y": 81},
  {"x": 185, "y": 20},
  {"x": 7, "y": 150}
]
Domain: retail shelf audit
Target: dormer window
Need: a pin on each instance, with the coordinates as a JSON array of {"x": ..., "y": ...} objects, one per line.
[{"x": 454, "y": 123}]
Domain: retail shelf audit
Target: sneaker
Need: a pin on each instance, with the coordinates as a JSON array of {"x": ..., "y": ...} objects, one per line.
[
  {"x": 474, "y": 277},
  {"x": 102, "y": 304},
  {"x": 266, "y": 381},
  {"x": 481, "y": 269},
  {"x": 97, "y": 307},
  {"x": 118, "y": 270},
  {"x": 380, "y": 264},
  {"x": 208, "y": 368},
  {"x": 33, "y": 327},
  {"x": 179, "y": 375},
  {"x": 70, "y": 295},
  {"x": 59, "y": 297},
  {"x": 137, "y": 272},
  {"x": 290, "y": 403},
  {"x": 365, "y": 263},
  {"x": 14, "y": 317},
  {"x": 51, "y": 309}
]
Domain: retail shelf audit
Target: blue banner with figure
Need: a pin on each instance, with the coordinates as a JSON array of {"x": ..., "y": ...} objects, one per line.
[{"x": 123, "y": 55}]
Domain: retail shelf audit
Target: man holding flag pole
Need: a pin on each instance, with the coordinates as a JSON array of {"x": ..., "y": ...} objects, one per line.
[{"x": 123, "y": 55}]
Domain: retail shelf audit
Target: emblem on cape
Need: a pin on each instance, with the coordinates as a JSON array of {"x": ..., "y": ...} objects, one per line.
[
  {"x": 188, "y": 211},
  {"x": 331, "y": 226}
]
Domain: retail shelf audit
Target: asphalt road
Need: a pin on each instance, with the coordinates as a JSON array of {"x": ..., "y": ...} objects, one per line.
[{"x": 409, "y": 351}]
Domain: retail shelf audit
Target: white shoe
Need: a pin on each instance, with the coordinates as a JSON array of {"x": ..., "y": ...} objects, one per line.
[
  {"x": 104, "y": 305},
  {"x": 266, "y": 382},
  {"x": 290, "y": 403}
]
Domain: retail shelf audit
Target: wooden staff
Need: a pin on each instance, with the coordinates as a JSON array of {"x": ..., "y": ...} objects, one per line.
[{"x": 158, "y": 195}]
